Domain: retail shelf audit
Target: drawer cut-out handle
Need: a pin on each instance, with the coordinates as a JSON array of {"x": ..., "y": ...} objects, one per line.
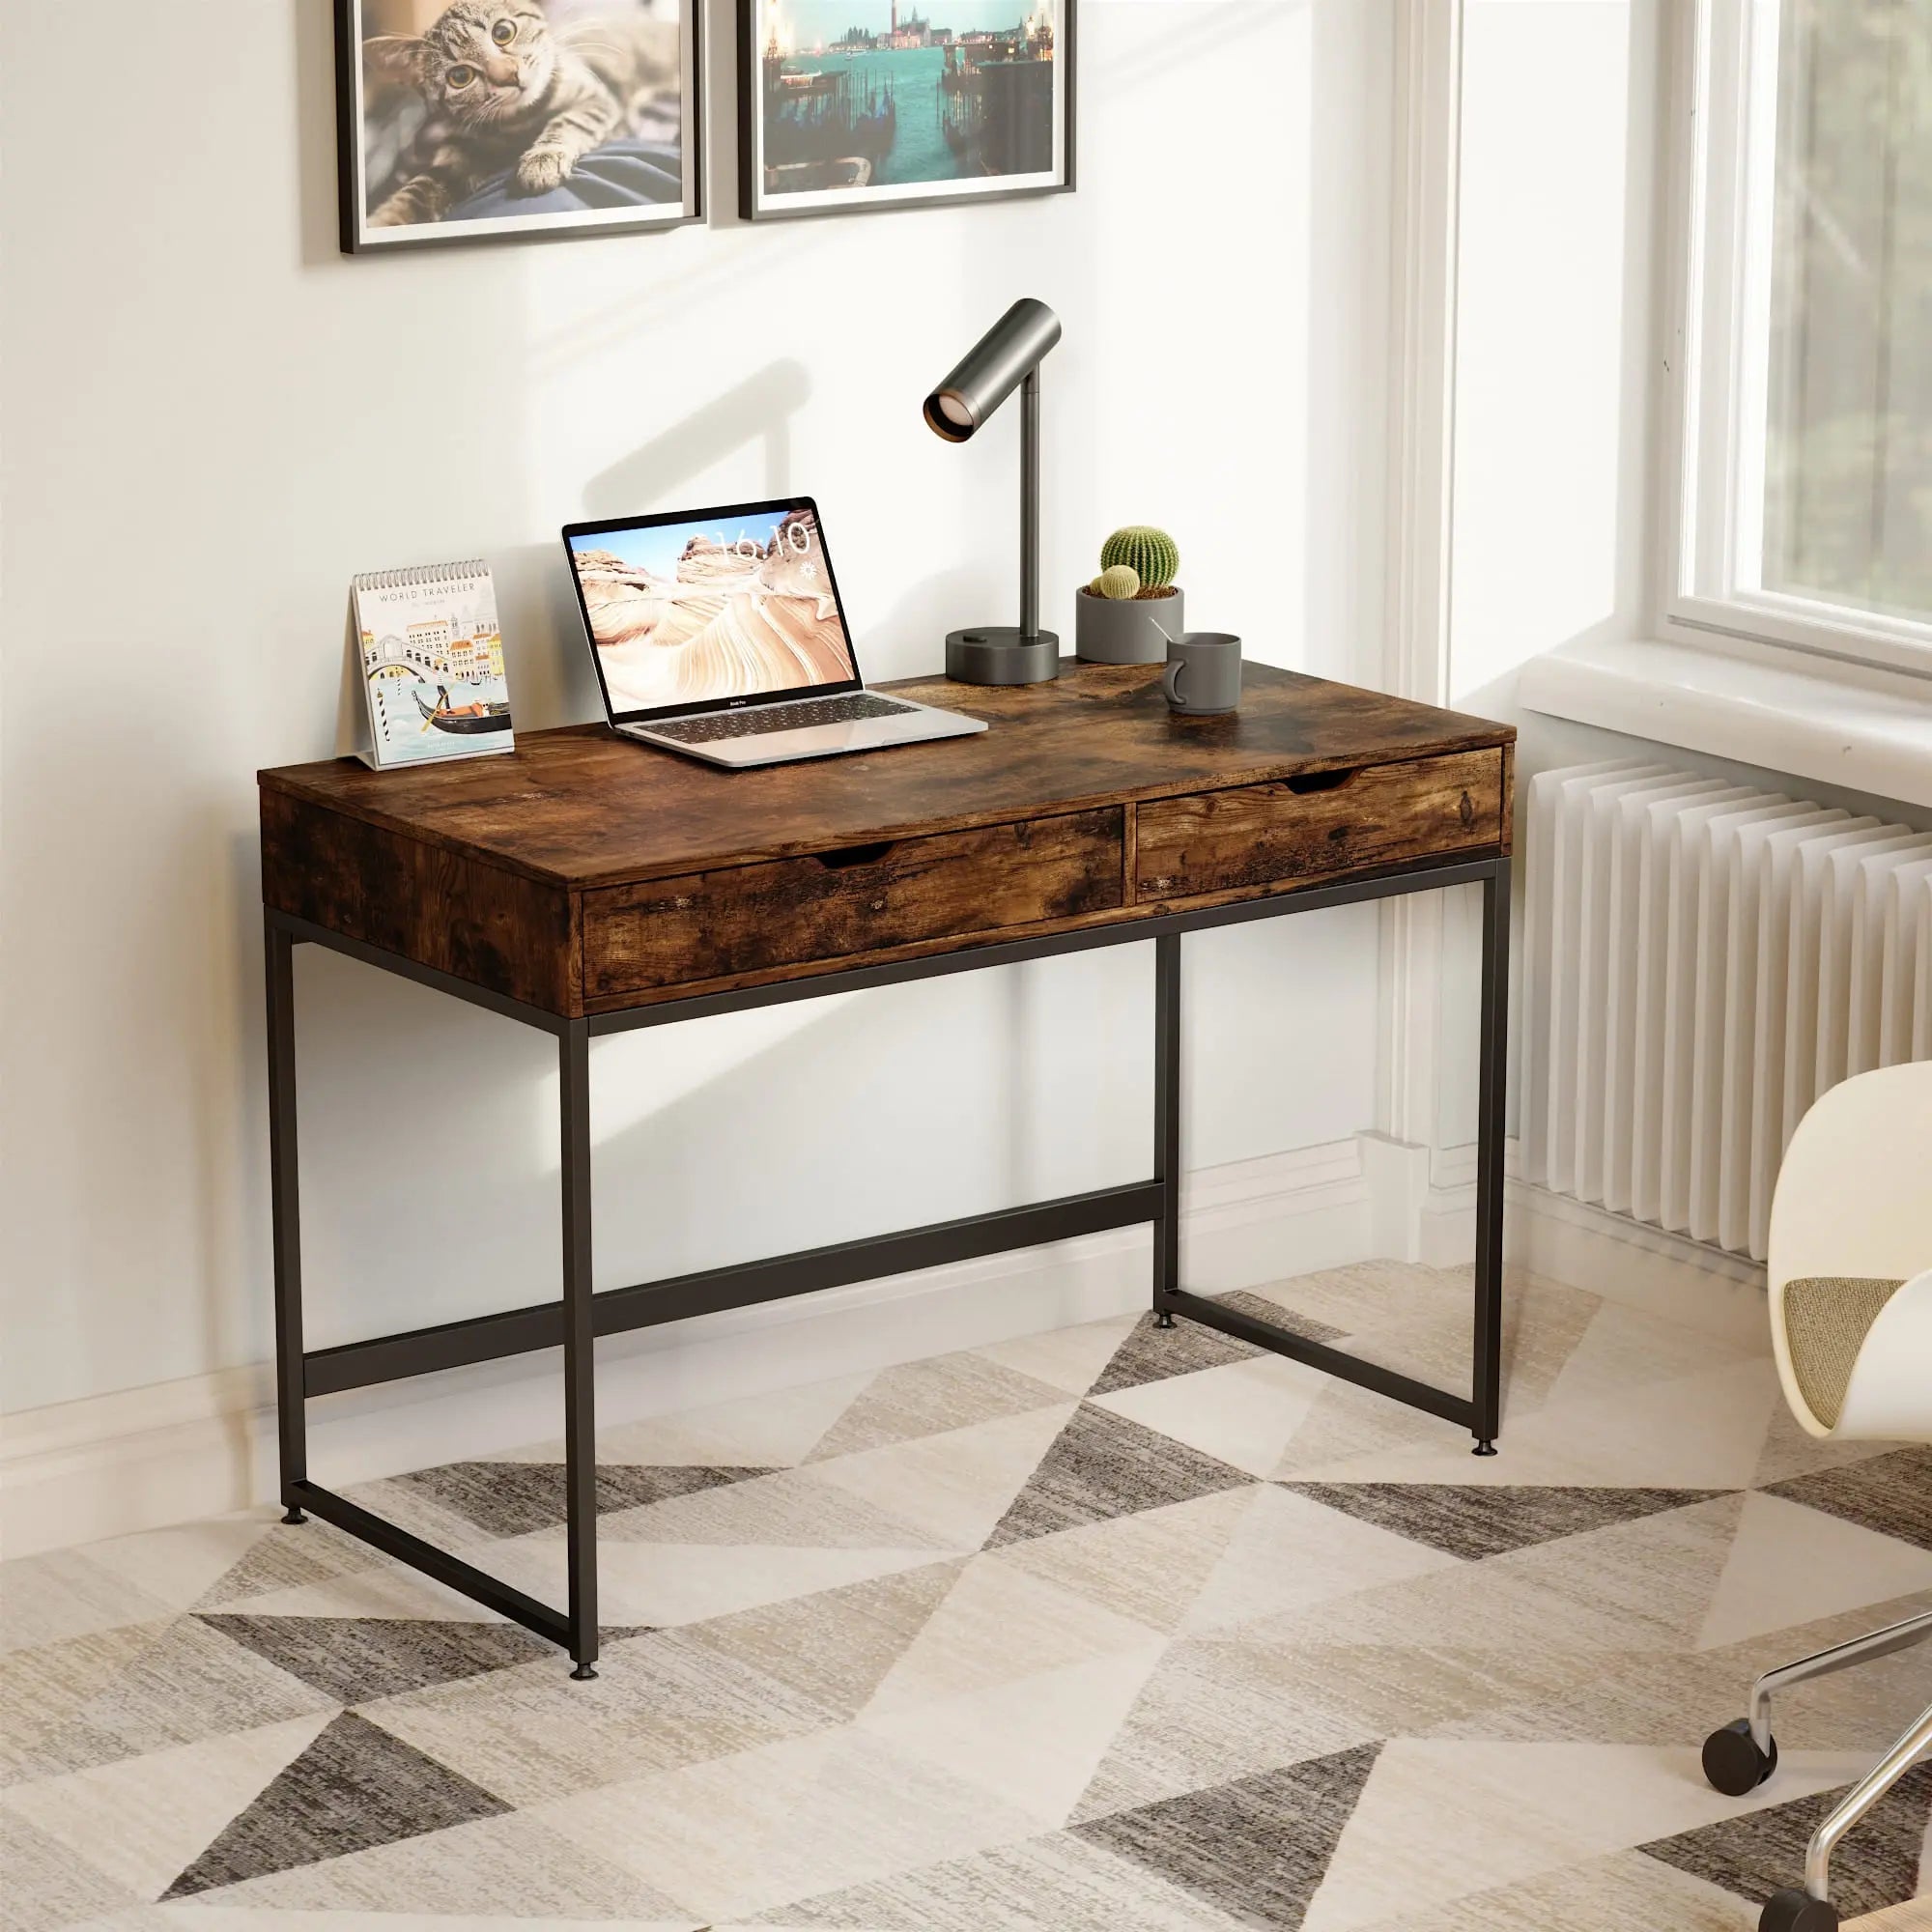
[
  {"x": 1307, "y": 782},
  {"x": 854, "y": 855}
]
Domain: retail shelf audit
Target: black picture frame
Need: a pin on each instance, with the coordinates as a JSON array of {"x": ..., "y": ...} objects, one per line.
[
  {"x": 357, "y": 238},
  {"x": 755, "y": 204}
]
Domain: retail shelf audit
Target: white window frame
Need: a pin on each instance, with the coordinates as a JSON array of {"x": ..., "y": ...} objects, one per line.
[{"x": 1724, "y": 68}]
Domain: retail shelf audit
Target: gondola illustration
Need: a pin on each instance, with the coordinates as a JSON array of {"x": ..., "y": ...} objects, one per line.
[{"x": 465, "y": 720}]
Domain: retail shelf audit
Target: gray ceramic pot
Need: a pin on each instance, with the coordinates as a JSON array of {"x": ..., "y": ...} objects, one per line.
[{"x": 1127, "y": 629}]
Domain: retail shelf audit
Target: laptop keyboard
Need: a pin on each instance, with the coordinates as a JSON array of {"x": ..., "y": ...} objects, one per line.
[{"x": 768, "y": 718}]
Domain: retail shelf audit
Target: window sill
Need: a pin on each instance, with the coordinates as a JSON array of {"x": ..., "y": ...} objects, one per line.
[{"x": 1863, "y": 730}]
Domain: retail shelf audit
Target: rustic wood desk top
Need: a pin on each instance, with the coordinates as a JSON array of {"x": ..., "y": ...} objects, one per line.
[{"x": 584, "y": 873}]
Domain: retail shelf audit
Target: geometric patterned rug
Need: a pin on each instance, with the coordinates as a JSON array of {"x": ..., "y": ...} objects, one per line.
[
  {"x": 1913, "y": 1915},
  {"x": 1105, "y": 1627}
]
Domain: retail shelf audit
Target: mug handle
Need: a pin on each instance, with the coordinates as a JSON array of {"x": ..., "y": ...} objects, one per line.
[{"x": 1170, "y": 680}]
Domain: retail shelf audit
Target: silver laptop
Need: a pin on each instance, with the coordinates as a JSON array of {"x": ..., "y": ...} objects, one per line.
[{"x": 720, "y": 633}]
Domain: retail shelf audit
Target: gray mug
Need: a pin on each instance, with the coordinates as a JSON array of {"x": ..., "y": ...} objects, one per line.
[{"x": 1204, "y": 673}]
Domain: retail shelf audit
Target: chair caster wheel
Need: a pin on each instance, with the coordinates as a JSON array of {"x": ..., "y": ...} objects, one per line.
[
  {"x": 1734, "y": 1765},
  {"x": 1798, "y": 1912}
]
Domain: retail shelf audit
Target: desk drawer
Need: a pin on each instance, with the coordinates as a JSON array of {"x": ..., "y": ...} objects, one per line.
[
  {"x": 744, "y": 919},
  {"x": 1299, "y": 829}
]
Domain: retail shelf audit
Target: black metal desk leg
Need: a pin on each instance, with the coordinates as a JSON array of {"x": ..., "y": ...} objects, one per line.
[
  {"x": 1492, "y": 1082},
  {"x": 1167, "y": 1125},
  {"x": 580, "y": 1360},
  {"x": 284, "y": 1198}
]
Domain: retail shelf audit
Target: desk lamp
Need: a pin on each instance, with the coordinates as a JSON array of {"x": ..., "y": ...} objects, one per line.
[{"x": 1006, "y": 357}]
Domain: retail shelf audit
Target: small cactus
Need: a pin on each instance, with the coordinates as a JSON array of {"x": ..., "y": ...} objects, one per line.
[
  {"x": 1152, "y": 553},
  {"x": 1118, "y": 582}
]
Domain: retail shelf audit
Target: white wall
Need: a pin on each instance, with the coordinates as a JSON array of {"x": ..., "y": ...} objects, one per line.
[
  {"x": 212, "y": 421},
  {"x": 1555, "y": 241}
]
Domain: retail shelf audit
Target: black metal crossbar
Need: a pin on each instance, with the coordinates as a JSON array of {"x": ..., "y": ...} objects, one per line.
[
  {"x": 393, "y": 1541},
  {"x": 1319, "y": 1355},
  {"x": 615, "y": 1311}
]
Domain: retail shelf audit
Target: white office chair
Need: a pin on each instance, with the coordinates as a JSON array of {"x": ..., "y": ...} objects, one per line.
[{"x": 1849, "y": 1275}]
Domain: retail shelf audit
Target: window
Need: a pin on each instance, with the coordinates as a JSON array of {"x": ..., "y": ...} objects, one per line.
[{"x": 1805, "y": 515}]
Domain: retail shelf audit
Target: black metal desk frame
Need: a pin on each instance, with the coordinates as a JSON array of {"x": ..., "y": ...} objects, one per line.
[{"x": 580, "y": 1316}]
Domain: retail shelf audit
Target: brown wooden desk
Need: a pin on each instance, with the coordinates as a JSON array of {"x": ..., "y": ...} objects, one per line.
[{"x": 586, "y": 885}]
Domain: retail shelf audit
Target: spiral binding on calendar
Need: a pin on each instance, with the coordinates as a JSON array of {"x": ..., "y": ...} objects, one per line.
[{"x": 422, "y": 573}]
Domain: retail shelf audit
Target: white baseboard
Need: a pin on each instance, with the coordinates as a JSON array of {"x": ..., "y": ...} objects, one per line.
[
  {"x": 141, "y": 1458},
  {"x": 1588, "y": 1247},
  {"x": 1425, "y": 1210},
  {"x": 1446, "y": 1218},
  {"x": 1425, "y": 1200},
  {"x": 1287, "y": 1213}
]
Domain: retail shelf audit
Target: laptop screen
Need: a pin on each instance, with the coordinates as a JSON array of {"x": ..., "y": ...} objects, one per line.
[{"x": 709, "y": 609}]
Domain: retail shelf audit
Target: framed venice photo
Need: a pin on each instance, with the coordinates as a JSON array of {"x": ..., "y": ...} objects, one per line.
[
  {"x": 515, "y": 120},
  {"x": 848, "y": 104}
]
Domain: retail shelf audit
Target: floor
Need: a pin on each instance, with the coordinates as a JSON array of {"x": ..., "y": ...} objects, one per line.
[{"x": 1101, "y": 1629}]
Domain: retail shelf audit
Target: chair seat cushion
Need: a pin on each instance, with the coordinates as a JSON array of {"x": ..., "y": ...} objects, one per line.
[{"x": 1827, "y": 1319}]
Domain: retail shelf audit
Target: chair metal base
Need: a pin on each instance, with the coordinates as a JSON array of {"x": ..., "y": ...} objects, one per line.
[
  {"x": 1740, "y": 1745},
  {"x": 1883, "y": 1776}
]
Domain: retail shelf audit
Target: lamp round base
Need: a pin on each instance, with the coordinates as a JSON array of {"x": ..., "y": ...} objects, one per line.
[{"x": 1001, "y": 654}]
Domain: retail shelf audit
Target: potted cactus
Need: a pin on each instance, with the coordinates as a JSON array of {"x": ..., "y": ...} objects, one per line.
[{"x": 1129, "y": 611}]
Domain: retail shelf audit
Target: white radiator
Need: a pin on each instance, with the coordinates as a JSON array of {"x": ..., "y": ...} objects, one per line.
[{"x": 1702, "y": 962}]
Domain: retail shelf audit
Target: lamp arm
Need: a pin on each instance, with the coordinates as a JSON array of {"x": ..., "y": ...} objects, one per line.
[{"x": 1029, "y": 504}]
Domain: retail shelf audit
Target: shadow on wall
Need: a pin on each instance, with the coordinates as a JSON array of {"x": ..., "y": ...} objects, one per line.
[
  {"x": 351, "y": 706},
  {"x": 758, "y": 410},
  {"x": 572, "y": 693},
  {"x": 229, "y": 1112},
  {"x": 552, "y": 681},
  {"x": 558, "y": 684},
  {"x": 904, "y": 642},
  {"x": 318, "y": 217},
  {"x": 1205, "y": 35},
  {"x": 909, "y": 639}
]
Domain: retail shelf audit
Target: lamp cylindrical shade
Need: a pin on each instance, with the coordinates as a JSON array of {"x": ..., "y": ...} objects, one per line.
[{"x": 993, "y": 369}]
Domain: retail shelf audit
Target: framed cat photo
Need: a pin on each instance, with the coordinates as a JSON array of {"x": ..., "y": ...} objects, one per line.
[
  {"x": 515, "y": 120},
  {"x": 847, "y": 104}
]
